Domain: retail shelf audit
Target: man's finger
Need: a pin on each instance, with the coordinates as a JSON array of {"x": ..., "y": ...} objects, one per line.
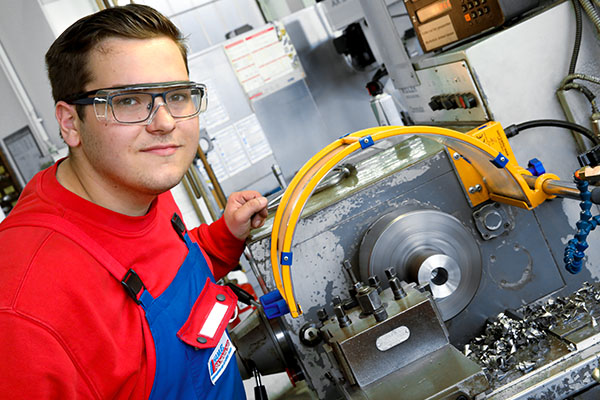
[
  {"x": 251, "y": 207},
  {"x": 257, "y": 221},
  {"x": 245, "y": 196}
]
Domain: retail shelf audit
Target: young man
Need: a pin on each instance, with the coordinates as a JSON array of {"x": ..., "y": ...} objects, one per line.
[{"x": 103, "y": 294}]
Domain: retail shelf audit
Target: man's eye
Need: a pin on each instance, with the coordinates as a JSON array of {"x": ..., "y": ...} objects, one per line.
[
  {"x": 178, "y": 97},
  {"x": 127, "y": 101}
]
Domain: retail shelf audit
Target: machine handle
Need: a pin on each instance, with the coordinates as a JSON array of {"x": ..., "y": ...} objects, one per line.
[{"x": 242, "y": 295}]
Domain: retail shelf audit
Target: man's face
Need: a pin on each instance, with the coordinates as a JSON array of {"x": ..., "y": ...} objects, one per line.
[{"x": 136, "y": 159}]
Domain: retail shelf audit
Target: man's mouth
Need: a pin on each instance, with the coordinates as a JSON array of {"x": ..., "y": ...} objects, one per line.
[{"x": 161, "y": 149}]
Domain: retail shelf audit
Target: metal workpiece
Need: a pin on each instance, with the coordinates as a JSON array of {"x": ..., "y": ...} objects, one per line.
[{"x": 426, "y": 246}]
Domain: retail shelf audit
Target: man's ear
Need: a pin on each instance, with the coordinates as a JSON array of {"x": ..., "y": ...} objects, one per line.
[{"x": 69, "y": 123}]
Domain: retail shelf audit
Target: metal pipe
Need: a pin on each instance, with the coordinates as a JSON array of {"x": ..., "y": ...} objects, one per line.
[
  {"x": 198, "y": 185},
  {"x": 279, "y": 176},
  {"x": 194, "y": 189},
  {"x": 192, "y": 197},
  {"x": 554, "y": 187},
  {"x": 219, "y": 194},
  {"x": 562, "y": 99}
]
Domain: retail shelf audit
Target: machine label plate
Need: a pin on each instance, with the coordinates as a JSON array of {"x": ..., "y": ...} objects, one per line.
[{"x": 393, "y": 338}]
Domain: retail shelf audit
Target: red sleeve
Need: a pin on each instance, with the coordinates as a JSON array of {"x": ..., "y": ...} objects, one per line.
[
  {"x": 223, "y": 249},
  {"x": 34, "y": 363}
]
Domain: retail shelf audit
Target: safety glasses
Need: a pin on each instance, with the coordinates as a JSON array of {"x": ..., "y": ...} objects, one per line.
[{"x": 135, "y": 104}]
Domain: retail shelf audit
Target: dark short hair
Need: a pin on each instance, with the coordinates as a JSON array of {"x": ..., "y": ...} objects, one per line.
[{"x": 67, "y": 58}]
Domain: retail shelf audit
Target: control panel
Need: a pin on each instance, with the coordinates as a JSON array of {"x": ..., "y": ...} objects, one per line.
[
  {"x": 442, "y": 22},
  {"x": 447, "y": 94},
  {"x": 475, "y": 9}
]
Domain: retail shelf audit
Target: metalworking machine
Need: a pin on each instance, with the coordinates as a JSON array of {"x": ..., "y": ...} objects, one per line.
[
  {"x": 398, "y": 268},
  {"x": 423, "y": 262}
]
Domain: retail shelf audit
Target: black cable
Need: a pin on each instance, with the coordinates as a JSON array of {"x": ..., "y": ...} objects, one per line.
[
  {"x": 586, "y": 92},
  {"x": 513, "y": 130},
  {"x": 578, "y": 34},
  {"x": 583, "y": 89}
]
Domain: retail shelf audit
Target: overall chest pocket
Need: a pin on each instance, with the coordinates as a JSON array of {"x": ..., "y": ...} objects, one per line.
[{"x": 209, "y": 348}]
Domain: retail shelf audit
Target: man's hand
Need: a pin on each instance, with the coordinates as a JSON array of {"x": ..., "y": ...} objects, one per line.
[{"x": 244, "y": 211}]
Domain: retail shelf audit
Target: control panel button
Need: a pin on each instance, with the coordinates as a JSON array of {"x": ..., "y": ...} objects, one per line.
[
  {"x": 435, "y": 104},
  {"x": 469, "y": 99},
  {"x": 453, "y": 101},
  {"x": 448, "y": 102}
]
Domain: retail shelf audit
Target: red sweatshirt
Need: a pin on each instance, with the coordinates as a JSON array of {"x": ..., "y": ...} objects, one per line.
[{"x": 67, "y": 327}]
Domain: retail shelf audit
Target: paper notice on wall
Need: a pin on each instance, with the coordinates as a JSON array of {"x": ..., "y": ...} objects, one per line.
[
  {"x": 216, "y": 114},
  {"x": 264, "y": 60},
  {"x": 243, "y": 65},
  {"x": 238, "y": 146},
  {"x": 231, "y": 150},
  {"x": 253, "y": 138},
  {"x": 217, "y": 166}
]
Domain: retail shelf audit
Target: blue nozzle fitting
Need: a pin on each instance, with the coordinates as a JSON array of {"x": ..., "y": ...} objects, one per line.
[
  {"x": 575, "y": 249},
  {"x": 536, "y": 167}
]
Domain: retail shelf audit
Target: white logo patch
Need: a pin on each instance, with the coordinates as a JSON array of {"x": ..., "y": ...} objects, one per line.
[{"x": 220, "y": 357}]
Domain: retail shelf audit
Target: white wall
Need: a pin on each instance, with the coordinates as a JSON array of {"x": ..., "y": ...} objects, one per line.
[
  {"x": 62, "y": 13},
  {"x": 25, "y": 36}
]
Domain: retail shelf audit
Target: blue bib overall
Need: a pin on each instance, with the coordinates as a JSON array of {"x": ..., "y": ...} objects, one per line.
[{"x": 182, "y": 371}]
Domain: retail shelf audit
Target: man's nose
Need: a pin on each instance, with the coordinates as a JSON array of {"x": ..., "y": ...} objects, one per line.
[{"x": 161, "y": 119}]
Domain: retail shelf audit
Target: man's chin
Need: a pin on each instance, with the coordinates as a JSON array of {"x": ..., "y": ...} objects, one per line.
[{"x": 165, "y": 184}]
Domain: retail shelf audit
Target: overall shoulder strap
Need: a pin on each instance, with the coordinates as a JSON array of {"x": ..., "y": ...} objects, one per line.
[{"x": 127, "y": 277}]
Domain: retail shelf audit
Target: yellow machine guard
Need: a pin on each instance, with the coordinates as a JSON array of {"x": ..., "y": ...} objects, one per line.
[{"x": 489, "y": 160}]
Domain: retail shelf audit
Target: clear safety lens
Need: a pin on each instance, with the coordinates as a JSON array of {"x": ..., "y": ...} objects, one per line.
[{"x": 134, "y": 106}]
